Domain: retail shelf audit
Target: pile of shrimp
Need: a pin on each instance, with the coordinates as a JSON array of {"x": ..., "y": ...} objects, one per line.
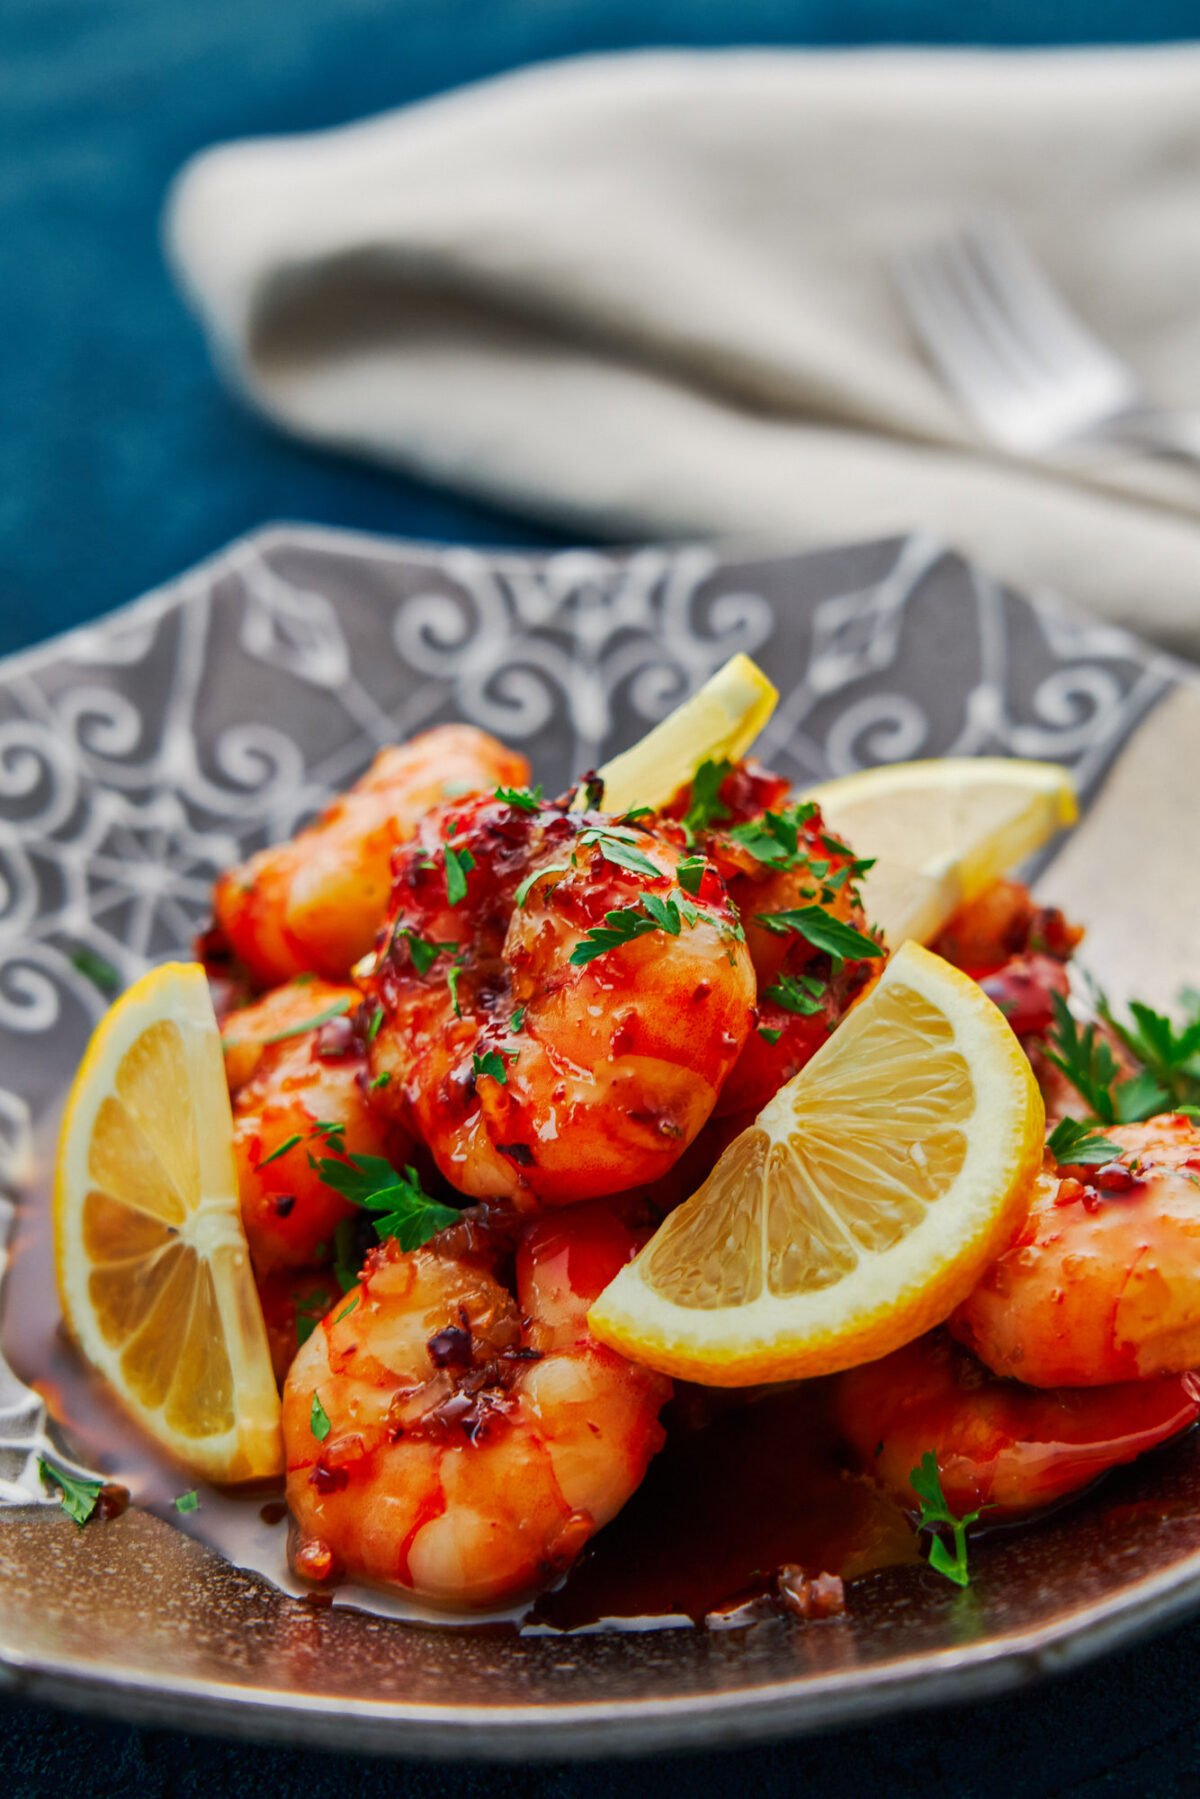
[{"x": 549, "y": 1021}]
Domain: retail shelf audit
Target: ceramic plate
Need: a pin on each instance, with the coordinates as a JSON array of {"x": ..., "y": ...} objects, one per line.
[{"x": 140, "y": 755}]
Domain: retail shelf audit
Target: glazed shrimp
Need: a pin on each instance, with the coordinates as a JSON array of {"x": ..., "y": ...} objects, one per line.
[
  {"x": 998, "y": 1444},
  {"x": 297, "y": 1076},
  {"x": 314, "y": 903},
  {"x": 777, "y": 858},
  {"x": 537, "y": 1060},
  {"x": 1103, "y": 1283},
  {"x": 474, "y": 1440}
]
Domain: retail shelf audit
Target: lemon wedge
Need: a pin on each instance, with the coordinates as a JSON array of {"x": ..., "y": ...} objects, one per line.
[
  {"x": 861, "y": 1205},
  {"x": 153, "y": 1270},
  {"x": 720, "y": 721},
  {"x": 942, "y": 831}
]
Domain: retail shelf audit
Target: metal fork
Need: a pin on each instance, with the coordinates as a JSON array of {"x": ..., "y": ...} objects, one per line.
[{"x": 1032, "y": 375}]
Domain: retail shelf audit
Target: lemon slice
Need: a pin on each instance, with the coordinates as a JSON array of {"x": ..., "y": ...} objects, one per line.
[
  {"x": 720, "y": 720},
  {"x": 942, "y": 831},
  {"x": 860, "y": 1206},
  {"x": 153, "y": 1271}
]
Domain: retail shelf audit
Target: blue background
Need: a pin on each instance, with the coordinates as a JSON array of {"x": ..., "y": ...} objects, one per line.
[{"x": 122, "y": 461}]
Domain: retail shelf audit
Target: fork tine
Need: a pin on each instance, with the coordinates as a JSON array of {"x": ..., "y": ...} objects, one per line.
[
  {"x": 990, "y": 319},
  {"x": 1035, "y": 308},
  {"x": 970, "y": 368}
]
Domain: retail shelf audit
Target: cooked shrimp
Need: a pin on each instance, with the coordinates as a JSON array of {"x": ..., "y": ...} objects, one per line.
[
  {"x": 778, "y": 858},
  {"x": 297, "y": 1074},
  {"x": 532, "y": 1068},
  {"x": 314, "y": 904},
  {"x": 448, "y": 1438},
  {"x": 1103, "y": 1283},
  {"x": 998, "y": 1444}
]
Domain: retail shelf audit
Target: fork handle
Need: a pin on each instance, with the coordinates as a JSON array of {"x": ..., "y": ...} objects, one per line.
[{"x": 1171, "y": 433}]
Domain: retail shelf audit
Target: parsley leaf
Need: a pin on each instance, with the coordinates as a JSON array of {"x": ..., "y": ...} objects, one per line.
[
  {"x": 187, "y": 1502},
  {"x": 346, "y": 1310},
  {"x": 656, "y": 914},
  {"x": 691, "y": 873},
  {"x": 799, "y": 994},
  {"x": 403, "y": 1209},
  {"x": 775, "y": 838},
  {"x": 768, "y": 1035},
  {"x": 619, "y": 848},
  {"x": 525, "y": 799},
  {"x": 926, "y": 1484},
  {"x": 95, "y": 969},
  {"x": 379, "y": 1080},
  {"x": 1072, "y": 1143},
  {"x": 452, "y": 974},
  {"x": 551, "y": 868},
  {"x": 318, "y": 1419},
  {"x": 821, "y": 929},
  {"x": 423, "y": 950},
  {"x": 79, "y": 1496},
  {"x": 459, "y": 863},
  {"x": 517, "y": 1020},
  {"x": 491, "y": 1062},
  {"x": 288, "y": 1143},
  {"x": 704, "y": 806},
  {"x": 335, "y": 1010}
]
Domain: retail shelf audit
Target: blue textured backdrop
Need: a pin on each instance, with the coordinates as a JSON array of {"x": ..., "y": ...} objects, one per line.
[{"x": 121, "y": 461}]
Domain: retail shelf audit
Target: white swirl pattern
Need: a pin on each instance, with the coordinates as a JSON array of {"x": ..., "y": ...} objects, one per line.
[{"x": 141, "y": 754}]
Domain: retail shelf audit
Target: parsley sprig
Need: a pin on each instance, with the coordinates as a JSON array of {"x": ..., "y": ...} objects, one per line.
[
  {"x": 398, "y": 1203},
  {"x": 632, "y": 922},
  {"x": 936, "y": 1516},
  {"x": 821, "y": 929},
  {"x": 1169, "y": 1054},
  {"x": 619, "y": 846},
  {"x": 798, "y": 993},
  {"x": 459, "y": 864},
  {"x": 775, "y": 838},
  {"x": 1073, "y": 1144},
  {"x": 705, "y": 806},
  {"x": 424, "y": 951},
  {"x": 525, "y": 799},
  {"x": 79, "y": 1496}
]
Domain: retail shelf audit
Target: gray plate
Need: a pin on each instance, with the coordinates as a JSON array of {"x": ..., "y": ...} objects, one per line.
[{"x": 138, "y": 756}]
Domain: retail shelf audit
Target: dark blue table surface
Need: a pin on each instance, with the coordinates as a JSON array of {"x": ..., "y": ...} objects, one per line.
[{"x": 122, "y": 461}]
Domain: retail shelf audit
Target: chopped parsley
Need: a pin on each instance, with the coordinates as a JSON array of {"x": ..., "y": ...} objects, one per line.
[
  {"x": 625, "y": 926},
  {"x": 347, "y": 1309},
  {"x": 775, "y": 838},
  {"x": 335, "y": 1010},
  {"x": 798, "y": 993},
  {"x": 525, "y": 799},
  {"x": 95, "y": 969},
  {"x": 423, "y": 950},
  {"x": 947, "y": 1559},
  {"x": 79, "y": 1496},
  {"x": 517, "y": 1019},
  {"x": 691, "y": 874},
  {"x": 620, "y": 848},
  {"x": 551, "y": 868},
  {"x": 1074, "y": 1144},
  {"x": 705, "y": 806},
  {"x": 288, "y": 1143},
  {"x": 491, "y": 1062},
  {"x": 452, "y": 974},
  {"x": 769, "y": 1035},
  {"x": 821, "y": 929},
  {"x": 379, "y": 1080},
  {"x": 401, "y": 1207},
  {"x": 187, "y": 1502},
  {"x": 459, "y": 864},
  {"x": 318, "y": 1419}
]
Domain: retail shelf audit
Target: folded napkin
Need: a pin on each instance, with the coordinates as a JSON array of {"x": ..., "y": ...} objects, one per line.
[{"x": 648, "y": 296}]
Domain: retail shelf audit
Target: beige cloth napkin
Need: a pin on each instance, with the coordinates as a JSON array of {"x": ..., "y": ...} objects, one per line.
[{"x": 648, "y": 296}]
